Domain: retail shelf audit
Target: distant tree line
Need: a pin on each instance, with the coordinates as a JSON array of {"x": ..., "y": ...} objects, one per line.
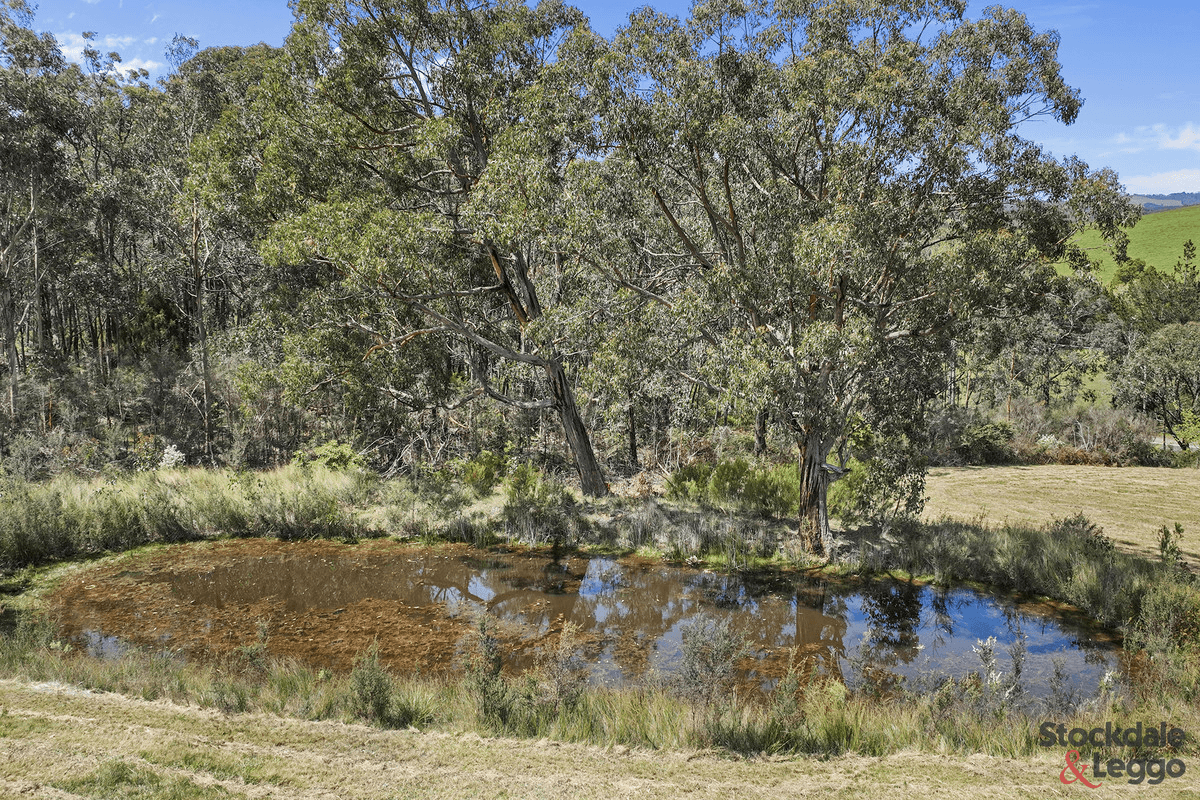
[{"x": 1173, "y": 200}]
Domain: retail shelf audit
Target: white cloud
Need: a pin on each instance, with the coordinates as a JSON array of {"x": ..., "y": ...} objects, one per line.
[
  {"x": 151, "y": 40},
  {"x": 72, "y": 44},
  {"x": 1158, "y": 137},
  {"x": 91, "y": 2},
  {"x": 1180, "y": 180},
  {"x": 1188, "y": 138},
  {"x": 138, "y": 63}
]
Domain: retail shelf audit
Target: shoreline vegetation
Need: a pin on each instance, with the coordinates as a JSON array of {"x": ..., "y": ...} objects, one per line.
[{"x": 1154, "y": 604}]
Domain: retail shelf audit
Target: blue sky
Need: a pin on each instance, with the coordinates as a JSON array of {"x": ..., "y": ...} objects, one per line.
[{"x": 1135, "y": 64}]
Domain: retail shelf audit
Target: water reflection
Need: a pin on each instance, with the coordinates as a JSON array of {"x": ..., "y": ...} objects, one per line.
[{"x": 325, "y": 604}]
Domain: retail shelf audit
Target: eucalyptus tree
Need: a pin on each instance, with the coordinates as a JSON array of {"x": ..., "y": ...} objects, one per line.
[
  {"x": 37, "y": 111},
  {"x": 205, "y": 250},
  {"x": 828, "y": 192},
  {"x": 1161, "y": 377},
  {"x": 419, "y": 153},
  {"x": 1154, "y": 360},
  {"x": 1044, "y": 347}
]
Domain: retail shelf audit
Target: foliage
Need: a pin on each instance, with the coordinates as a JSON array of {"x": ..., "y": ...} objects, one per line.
[
  {"x": 744, "y": 138},
  {"x": 536, "y": 507},
  {"x": 735, "y": 484},
  {"x": 493, "y": 696},
  {"x": 332, "y": 455},
  {"x": 484, "y": 471},
  {"x": 690, "y": 482},
  {"x": 709, "y": 650},
  {"x": 876, "y": 493},
  {"x": 372, "y": 686},
  {"x": 436, "y": 196},
  {"x": 1162, "y": 377},
  {"x": 988, "y": 443},
  {"x": 1168, "y": 545},
  {"x": 786, "y": 225}
]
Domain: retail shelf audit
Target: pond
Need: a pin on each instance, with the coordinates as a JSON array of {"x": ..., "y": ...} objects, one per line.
[{"x": 324, "y": 603}]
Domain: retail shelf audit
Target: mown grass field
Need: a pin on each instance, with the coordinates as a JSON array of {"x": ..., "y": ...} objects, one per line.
[
  {"x": 1131, "y": 504},
  {"x": 59, "y": 743},
  {"x": 1157, "y": 239}
]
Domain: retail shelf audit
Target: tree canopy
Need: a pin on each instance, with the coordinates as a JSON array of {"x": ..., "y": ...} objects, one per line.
[
  {"x": 436, "y": 228},
  {"x": 828, "y": 193}
]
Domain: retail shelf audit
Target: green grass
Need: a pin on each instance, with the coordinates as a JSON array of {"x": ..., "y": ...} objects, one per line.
[
  {"x": 123, "y": 780},
  {"x": 1157, "y": 239}
]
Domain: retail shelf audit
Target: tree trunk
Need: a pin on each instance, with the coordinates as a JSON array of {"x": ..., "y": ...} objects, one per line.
[
  {"x": 633, "y": 458},
  {"x": 591, "y": 477},
  {"x": 814, "y": 532},
  {"x": 202, "y": 331},
  {"x": 10, "y": 337},
  {"x": 760, "y": 432}
]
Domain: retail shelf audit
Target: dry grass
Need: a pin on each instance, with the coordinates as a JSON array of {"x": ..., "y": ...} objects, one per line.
[
  {"x": 1129, "y": 503},
  {"x": 58, "y": 742}
]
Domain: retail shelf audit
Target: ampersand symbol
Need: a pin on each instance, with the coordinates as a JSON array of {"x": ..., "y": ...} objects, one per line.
[{"x": 1071, "y": 765}]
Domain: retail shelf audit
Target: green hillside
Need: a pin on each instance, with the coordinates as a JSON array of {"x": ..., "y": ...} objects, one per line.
[{"x": 1158, "y": 239}]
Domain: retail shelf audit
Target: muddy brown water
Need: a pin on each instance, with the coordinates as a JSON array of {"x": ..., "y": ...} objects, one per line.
[{"x": 324, "y": 603}]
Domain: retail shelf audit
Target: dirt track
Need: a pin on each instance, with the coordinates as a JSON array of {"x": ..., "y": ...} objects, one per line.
[{"x": 60, "y": 742}]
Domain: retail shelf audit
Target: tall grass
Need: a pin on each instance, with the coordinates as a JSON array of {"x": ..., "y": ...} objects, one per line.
[
  {"x": 1155, "y": 605},
  {"x": 69, "y": 518},
  {"x": 805, "y": 714},
  {"x": 1069, "y": 560}
]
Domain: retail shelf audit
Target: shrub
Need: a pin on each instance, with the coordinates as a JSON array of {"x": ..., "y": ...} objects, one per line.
[
  {"x": 988, "y": 443},
  {"x": 1138, "y": 452},
  {"x": 1169, "y": 619},
  {"x": 1185, "y": 458},
  {"x": 172, "y": 457},
  {"x": 737, "y": 485},
  {"x": 371, "y": 685},
  {"x": 710, "y": 651},
  {"x": 332, "y": 455},
  {"x": 876, "y": 492},
  {"x": 1168, "y": 545},
  {"x": 493, "y": 700},
  {"x": 536, "y": 506},
  {"x": 563, "y": 671},
  {"x": 728, "y": 481},
  {"x": 484, "y": 471},
  {"x": 690, "y": 483}
]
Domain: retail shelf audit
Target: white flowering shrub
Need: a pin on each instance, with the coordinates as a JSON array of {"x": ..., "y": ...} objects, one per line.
[{"x": 172, "y": 457}]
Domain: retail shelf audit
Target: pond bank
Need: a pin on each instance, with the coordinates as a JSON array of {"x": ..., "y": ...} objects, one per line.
[{"x": 326, "y": 603}]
